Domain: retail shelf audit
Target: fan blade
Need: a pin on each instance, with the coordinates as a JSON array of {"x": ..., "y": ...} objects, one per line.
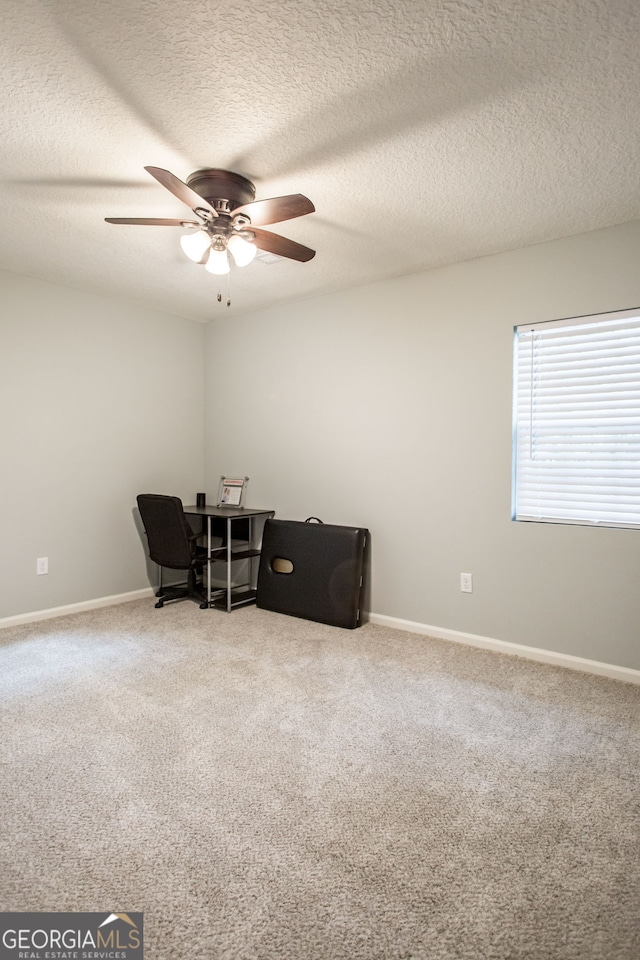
[
  {"x": 273, "y": 243},
  {"x": 263, "y": 212},
  {"x": 181, "y": 190},
  {"x": 154, "y": 222}
]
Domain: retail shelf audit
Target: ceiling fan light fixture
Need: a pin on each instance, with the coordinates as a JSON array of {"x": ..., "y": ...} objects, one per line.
[
  {"x": 195, "y": 245},
  {"x": 218, "y": 262},
  {"x": 241, "y": 250}
]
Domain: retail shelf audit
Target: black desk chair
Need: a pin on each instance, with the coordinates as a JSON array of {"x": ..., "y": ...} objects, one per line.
[{"x": 173, "y": 544}]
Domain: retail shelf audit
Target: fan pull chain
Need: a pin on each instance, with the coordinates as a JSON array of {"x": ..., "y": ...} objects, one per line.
[{"x": 219, "y": 297}]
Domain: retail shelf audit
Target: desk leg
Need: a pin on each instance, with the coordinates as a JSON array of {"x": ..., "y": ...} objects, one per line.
[
  {"x": 229, "y": 564},
  {"x": 251, "y": 559},
  {"x": 208, "y": 561}
]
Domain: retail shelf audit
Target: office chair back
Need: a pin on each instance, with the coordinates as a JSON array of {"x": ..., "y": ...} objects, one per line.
[{"x": 167, "y": 531}]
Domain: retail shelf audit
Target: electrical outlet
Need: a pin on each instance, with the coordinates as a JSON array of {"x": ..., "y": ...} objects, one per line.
[
  {"x": 466, "y": 582},
  {"x": 42, "y": 565}
]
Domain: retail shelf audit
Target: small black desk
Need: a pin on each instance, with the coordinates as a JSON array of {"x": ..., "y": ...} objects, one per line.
[{"x": 225, "y": 597}]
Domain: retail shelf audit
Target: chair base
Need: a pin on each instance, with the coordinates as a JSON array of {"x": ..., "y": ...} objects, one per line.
[{"x": 191, "y": 590}]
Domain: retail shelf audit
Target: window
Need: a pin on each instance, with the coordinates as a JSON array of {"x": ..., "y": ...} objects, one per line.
[{"x": 577, "y": 420}]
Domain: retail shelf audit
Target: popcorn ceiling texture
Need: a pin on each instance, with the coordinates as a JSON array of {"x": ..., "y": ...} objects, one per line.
[{"x": 425, "y": 132}]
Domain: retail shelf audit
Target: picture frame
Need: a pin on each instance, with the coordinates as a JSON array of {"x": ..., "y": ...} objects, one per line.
[{"x": 232, "y": 491}]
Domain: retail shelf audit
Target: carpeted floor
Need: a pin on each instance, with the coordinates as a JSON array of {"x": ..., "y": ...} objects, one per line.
[{"x": 266, "y": 788}]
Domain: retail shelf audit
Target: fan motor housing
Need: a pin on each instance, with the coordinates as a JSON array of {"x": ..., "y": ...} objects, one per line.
[{"x": 222, "y": 188}]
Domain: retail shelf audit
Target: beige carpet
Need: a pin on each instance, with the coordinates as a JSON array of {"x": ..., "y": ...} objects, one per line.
[{"x": 263, "y": 787}]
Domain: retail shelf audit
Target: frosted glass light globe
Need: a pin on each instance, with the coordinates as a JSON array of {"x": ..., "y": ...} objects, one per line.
[
  {"x": 242, "y": 252},
  {"x": 218, "y": 262},
  {"x": 195, "y": 245}
]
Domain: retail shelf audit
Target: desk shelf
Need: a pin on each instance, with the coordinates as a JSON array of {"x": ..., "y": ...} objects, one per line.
[
  {"x": 235, "y": 555},
  {"x": 239, "y": 598},
  {"x": 241, "y": 541}
]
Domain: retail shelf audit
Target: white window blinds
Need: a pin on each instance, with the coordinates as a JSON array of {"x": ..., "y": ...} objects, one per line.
[{"x": 577, "y": 420}]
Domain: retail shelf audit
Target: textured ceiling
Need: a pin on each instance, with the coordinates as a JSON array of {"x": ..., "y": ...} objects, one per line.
[{"x": 425, "y": 131}]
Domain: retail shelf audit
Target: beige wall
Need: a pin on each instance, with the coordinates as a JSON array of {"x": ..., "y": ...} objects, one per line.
[
  {"x": 100, "y": 401},
  {"x": 387, "y": 406},
  {"x": 390, "y": 406}
]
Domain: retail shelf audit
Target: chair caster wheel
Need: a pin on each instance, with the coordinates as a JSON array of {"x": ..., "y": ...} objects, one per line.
[
  {"x": 159, "y": 604},
  {"x": 204, "y": 606}
]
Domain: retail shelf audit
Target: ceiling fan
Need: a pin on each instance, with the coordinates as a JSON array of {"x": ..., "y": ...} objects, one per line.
[{"x": 229, "y": 219}]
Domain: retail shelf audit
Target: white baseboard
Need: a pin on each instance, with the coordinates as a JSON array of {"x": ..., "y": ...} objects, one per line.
[
  {"x": 75, "y": 608},
  {"x": 627, "y": 674}
]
